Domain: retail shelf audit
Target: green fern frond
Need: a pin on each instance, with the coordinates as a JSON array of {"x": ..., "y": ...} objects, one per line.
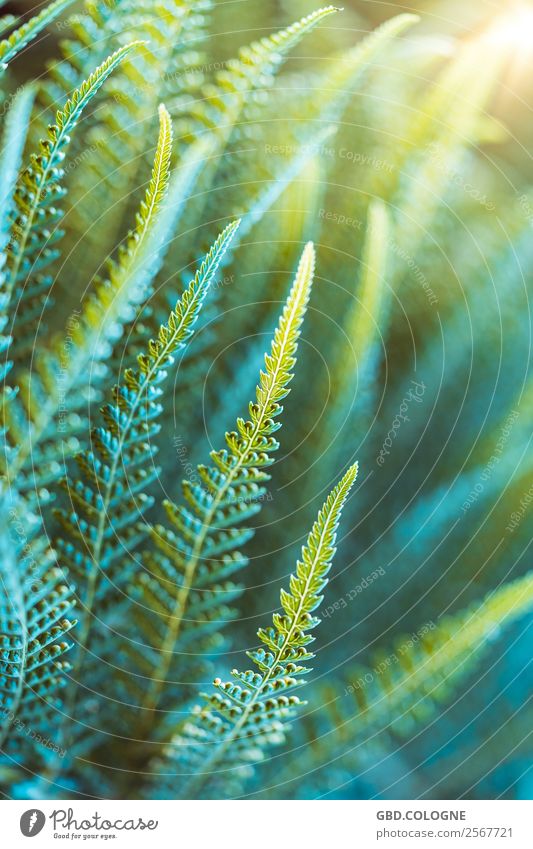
[
  {"x": 38, "y": 191},
  {"x": 222, "y": 105},
  {"x": 429, "y": 669},
  {"x": 92, "y": 32},
  {"x": 160, "y": 72},
  {"x": 357, "y": 356},
  {"x": 107, "y": 308},
  {"x": 35, "y": 607},
  {"x": 202, "y": 549},
  {"x": 402, "y": 689},
  {"x": 119, "y": 468},
  {"x": 338, "y": 82},
  {"x": 13, "y": 140},
  {"x": 242, "y": 719},
  {"x": 441, "y": 131},
  {"x": 12, "y": 45},
  {"x": 253, "y": 209},
  {"x": 365, "y": 320}
]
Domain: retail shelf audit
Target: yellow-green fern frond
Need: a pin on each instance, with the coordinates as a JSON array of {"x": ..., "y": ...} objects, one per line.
[
  {"x": 34, "y": 229},
  {"x": 220, "y": 108},
  {"x": 340, "y": 79},
  {"x": 102, "y": 318},
  {"x": 202, "y": 549},
  {"x": 22, "y": 36},
  {"x": 13, "y": 140},
  {"x": 244, "y": 718},
  {"x": 404, "y": 686}
]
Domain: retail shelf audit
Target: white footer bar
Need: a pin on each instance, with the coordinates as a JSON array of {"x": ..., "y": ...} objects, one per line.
[{"x": 262, "y": 825}]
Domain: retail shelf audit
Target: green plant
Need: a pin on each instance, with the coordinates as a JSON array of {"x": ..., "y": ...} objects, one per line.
[{"x": 144, "y": 257}]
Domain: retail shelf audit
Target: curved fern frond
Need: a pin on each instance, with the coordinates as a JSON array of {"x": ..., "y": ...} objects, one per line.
[
  {"x": 201, "y": 550},
  {"x": 7, "y": 22},
  {"x": 402, "y": 688},
  {"x": 22, "y": 36},
  {"x": 221, "y": 106},
  {"x": 119, "y": 468},
  {"x": 357, "y": 359},
  {"x": 38, "y": 191},
  {"x": 13, "y": 140},
  {"x": 105, "y": 312},
  {"x": 338, "y": 82},
  {"x": 429, "y": 669},
  {"x": 35, "y": 607},
  {"x": 244, "y": 718}
]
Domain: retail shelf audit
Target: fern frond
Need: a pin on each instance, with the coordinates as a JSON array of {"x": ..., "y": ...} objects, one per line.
[
  {"x": 357, "y": 356},
  {"x": 441, "y": 131},
  {"x": 35, "y": 609},
  {"x": 7, "y": 22},
  {"x": 338, "y": 82},
  {"x": 92, "y": 32},
  {"x": 222, "y": 105},
  {"x": 253, "y": 67},
  {"x": 160, "y": 72},
  {"x": 119, "y": 468},
  {"x": 12, "y": 45},
  {"x": 105, "y": 312},
  {"x": 13, "y": 140},
  {"x": 402, "y": 688},
  {"x": 244, "y": 718},
  {"x": 430, "y": 668},
  {"x": 202, "y": 549},
  {"x": 38, "y": 190}
]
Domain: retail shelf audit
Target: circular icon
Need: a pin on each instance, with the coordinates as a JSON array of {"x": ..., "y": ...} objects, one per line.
[{"x": 32, "y": 822}]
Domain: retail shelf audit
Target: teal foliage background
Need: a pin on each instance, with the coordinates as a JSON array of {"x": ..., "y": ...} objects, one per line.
[{"x": 405, "y": 342}]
